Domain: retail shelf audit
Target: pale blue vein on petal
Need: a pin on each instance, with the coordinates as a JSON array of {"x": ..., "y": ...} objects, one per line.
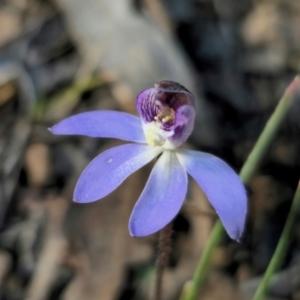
[
  {"x": 161, "y": 198},
  {"x": 108, "y": 170},
  {"x": 221, "y": 185},
  {"x": 104, "y": 123}
]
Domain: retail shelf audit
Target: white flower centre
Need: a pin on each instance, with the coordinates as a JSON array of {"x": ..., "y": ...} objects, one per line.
[{"x": 156, "y": 136}]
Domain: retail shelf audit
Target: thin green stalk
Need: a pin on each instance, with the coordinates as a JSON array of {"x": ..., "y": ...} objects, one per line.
[
  {"x": 281, "y": 248},
  {"x": 248, "y": 170},
  {"x": 193, "y": 289}
]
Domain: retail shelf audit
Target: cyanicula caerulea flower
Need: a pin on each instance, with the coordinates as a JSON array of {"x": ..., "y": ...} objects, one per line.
[{"x": 167, "y": 114}]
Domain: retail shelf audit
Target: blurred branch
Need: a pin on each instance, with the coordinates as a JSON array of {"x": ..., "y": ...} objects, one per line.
[{"x": 158, "y": 14}]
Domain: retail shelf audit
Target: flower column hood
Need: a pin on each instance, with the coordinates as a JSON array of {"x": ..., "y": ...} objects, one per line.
[{"x": 167, "y": 112}]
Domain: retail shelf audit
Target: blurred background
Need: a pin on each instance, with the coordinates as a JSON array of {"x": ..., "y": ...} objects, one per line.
[{"x": 61, "y": 57}]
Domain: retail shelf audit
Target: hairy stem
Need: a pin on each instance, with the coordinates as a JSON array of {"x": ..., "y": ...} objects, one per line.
[{"x": 164, "y": 248}]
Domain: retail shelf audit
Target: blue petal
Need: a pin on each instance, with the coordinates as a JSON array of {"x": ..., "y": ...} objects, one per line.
[
  {"x": 162, "y": 197},
  {"x": 105, "y": 123},
  {"x": 222, "y": 187},
  {"x": 108, "y": 170}
]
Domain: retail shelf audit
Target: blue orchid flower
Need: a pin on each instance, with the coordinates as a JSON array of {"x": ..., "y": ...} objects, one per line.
[{"x": 167, "y": 114}]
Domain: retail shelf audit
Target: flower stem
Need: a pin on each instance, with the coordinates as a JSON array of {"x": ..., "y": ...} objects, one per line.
[
  {"x": 164, "y": 248},
  {"x": 281, "y": 247},
  {"x": 247, "y": 172}
]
